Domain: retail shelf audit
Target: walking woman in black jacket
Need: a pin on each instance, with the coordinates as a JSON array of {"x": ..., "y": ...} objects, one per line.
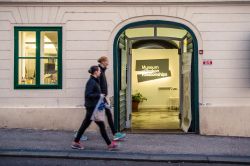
[
  {"x": 92, "y": 95},
  {"x": 103, "y": 64}
]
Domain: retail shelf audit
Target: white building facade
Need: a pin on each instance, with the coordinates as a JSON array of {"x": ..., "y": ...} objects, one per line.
[{"x": 84, "y": 31}]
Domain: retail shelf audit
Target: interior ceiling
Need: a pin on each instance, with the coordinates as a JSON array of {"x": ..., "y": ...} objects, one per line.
[
  {"x": 52, "y": 36},
  {"x": 154, "y": 44}
]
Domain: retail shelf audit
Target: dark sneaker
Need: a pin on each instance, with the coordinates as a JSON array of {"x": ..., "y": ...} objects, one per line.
[
  {"x": 113, "y": 146},
  {"x": 77, "y": 145},
  {"x": 119, "y": 136}
]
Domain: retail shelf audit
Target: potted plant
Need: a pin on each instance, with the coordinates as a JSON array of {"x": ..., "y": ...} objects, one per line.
[{"x": 136, "y": 99}]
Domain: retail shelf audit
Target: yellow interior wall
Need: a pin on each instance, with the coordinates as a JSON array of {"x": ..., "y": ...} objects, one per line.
[{"x": 150, "y": 89}]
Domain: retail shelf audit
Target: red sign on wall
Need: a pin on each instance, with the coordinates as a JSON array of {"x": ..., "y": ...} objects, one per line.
[{"x": 207, "y": 62}]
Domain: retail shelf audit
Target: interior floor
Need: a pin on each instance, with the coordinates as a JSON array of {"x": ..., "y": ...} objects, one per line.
[{"x": 156, "y": 119}]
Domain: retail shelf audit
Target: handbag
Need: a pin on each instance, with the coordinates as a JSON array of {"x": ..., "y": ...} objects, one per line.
[{"x": 99, "y": 111}]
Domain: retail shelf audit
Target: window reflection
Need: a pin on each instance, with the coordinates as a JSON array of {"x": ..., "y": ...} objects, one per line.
[
  {"x": 49, "y": 55},
  {"x": 27, "y": 44},
  {"x": 27, "y": 72},
  {"x": 27, "y": 54},
  {"x": 49, "y": 71}
]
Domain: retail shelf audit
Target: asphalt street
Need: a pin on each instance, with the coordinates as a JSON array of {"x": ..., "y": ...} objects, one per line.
[{"x": 16, "y": 161}]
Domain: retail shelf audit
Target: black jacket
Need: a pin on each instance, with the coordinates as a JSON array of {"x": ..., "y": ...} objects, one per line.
[
  {"x": 103, "y": 81},
  {"x": 92, "y": 92}
]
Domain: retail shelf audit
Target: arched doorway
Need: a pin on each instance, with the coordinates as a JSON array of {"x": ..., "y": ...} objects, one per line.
[{"x": 122, "y": 97}]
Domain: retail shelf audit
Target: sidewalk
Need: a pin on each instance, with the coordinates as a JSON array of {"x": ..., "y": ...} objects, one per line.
[{"x": 143, "y": 147}]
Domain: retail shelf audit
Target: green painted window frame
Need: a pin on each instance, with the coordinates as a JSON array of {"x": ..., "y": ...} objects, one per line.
[{"x": 16, "y": 57}]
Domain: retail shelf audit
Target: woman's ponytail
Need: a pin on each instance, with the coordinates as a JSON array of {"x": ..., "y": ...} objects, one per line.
[{"x": 93, "y": 69}]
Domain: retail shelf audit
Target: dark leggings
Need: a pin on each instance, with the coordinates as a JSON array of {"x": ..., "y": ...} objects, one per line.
[
  {"x": 110, "y": 120},
  {"x": 85, "y": 124}
]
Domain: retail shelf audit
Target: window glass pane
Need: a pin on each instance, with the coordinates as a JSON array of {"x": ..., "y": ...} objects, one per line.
[
  {"x": 139, "y": 32},
  {"x": 27, "y": 71},
  {"x": 49, "y": 44},
  {"x": 49, "y": 71},
  {"x": 27, "y": 44},
  {"x": 171, "y": 32}
]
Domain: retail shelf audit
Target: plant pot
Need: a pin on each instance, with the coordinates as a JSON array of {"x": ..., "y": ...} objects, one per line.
[{"x": 135, "y": 106}]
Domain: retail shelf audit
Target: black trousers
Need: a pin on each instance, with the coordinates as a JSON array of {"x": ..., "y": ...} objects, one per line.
[
  {"x": 110, "y": 121},
  {"x": 87, "y": 121}
]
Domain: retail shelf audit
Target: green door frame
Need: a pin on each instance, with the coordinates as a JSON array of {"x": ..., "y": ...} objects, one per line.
[{"x": 194, "y": 72}]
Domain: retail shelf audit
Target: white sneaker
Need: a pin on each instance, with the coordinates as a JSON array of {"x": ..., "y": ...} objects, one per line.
[{"x": 83, "y": 138}]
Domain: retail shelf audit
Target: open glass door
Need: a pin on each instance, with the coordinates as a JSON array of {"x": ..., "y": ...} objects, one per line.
[
  {"x": 186, "y": 112},
  {"x": 123, "y": 83},
  {"x": 128, "y": 88}
]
